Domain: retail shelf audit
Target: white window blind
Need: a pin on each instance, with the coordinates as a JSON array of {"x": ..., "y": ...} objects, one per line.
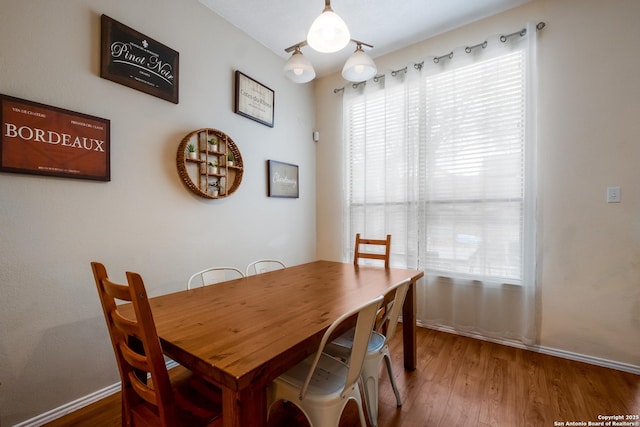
[
  {"x": 381, "y": 175},
  {"x": 473, "y": 169},
  {"x": 439, "y": 164}
]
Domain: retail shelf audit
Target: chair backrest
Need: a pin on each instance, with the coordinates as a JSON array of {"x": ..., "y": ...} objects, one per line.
[
  {"x": 383, "y": 254},
  {"x": 364, "y": 326},
  {"x": 393, "y": 306},
  {"x": 263, "y": 266},
  {"x": 136, "y": 365},
  {"x": 212, "y": 275}
]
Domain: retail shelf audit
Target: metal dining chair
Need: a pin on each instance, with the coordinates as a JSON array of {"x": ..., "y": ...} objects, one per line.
[
  {"x": 263, "y": 266},
  {"x": 149, "y": 395},
  {"x": 377, "y": 350},
  {"x": 212, "y": 275},
  {"x": 321, "y": 385}
]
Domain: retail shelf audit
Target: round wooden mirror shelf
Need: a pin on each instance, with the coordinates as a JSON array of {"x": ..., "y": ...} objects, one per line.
[{"x": 215, "y": 170}]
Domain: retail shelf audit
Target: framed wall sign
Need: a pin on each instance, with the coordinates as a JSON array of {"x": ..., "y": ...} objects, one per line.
[
  {"x": 283, "y": 179},
  {"x": 135, "y": 60},
  {"x": 44, "y": 140},
  {"x": 253, "y": 100}
]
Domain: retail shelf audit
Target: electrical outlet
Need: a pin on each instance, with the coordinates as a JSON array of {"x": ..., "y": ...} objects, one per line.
[{"x": 613, "y": 194}]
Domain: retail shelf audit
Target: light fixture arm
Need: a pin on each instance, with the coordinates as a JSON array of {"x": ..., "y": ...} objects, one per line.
[
  {"x": 360, "y": 44},
  {"x": 304, "y": 43},
  {"x": 296, "y": 46}
]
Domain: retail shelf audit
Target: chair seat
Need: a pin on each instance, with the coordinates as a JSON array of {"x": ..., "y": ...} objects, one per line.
[
  {"x": 341, "y": 346},
  {"x": 327, "y": 380},
  {"x": 199, "y": 403}
]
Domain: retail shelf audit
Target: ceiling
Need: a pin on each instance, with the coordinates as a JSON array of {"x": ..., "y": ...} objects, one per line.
[{"x": 388, "y": 25}]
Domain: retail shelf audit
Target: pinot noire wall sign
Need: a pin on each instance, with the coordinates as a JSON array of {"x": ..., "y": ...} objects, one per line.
[{"x": 135, "y": 60}]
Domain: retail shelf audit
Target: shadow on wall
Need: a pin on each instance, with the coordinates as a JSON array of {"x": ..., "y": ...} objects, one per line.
[{"x": 69, "y": 362}]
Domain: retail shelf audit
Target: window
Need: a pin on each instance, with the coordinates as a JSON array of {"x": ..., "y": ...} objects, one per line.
[
  {"x": 473, "y": 169},
  {"x": 439, "y": 161}
]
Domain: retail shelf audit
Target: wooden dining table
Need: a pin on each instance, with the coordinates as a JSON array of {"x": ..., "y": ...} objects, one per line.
[{"x": 243, "y": 333}]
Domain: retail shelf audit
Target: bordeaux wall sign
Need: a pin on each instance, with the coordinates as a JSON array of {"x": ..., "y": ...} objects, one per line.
[
  {"x": 135, "y": 60},
  {"x": 44, "y": 140}
]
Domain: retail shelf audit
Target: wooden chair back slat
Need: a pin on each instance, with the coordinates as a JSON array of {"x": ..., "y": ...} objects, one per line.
[{"x": 383, "y": 256}]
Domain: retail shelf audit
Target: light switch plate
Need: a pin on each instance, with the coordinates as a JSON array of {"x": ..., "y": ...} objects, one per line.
[{"x": 613, "y": 194}]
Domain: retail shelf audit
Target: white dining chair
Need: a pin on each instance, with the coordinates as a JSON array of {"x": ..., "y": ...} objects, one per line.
[
  {"x": 263, "y": 266},
  {"x": 377, "y": 350},
  {"x": 212, "y": 275},
  {"x": 321, "y": 385}
]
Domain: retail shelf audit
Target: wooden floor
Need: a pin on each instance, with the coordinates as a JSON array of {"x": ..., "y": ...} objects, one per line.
[{"x": 462, "y": 381}]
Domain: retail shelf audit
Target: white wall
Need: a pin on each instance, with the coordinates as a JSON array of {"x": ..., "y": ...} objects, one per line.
[
  {"x": 54, "y": 346},
  {"x": 589, "y": 138}
]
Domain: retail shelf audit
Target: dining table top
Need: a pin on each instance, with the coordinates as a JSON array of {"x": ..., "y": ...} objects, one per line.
[{"x": 242, "y": 333}]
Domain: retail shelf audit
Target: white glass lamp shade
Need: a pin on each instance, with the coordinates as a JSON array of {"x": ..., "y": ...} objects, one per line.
[
  {"x": 328, "y": 33},
  {"x": 359, "y": 67},
  {"x": 298, "y": 68}
]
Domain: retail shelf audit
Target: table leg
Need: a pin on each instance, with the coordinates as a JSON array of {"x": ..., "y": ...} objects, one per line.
[
  {"x": 244, "y": 408},
  {"x": 409, "y": 328}
]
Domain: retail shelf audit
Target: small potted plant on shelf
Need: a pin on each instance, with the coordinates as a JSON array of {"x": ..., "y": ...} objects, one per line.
[
  {"x": 213, "y": 144},
  {"x": 230, "y": 159},
  {"x": 192, "y": 151},
  {"x": 214, "y": 188},
  {"x": 213, "y": 167}
]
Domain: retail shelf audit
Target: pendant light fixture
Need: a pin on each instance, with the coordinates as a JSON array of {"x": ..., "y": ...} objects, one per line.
[
  {"x": 298, "y": 68},
  {"x": 328, "y": 33},
  {"x": 359, "y": 67}
]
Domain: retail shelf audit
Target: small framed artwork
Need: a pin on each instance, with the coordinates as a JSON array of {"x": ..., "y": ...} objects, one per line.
[
  {"x": 43, "y": 140},
  {"x": 283, "y": 179},
  {"x": 253, "y": 100},
  {"x": 135, "y": 60}
]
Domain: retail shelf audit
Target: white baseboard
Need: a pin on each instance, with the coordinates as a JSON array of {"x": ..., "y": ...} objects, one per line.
[
  {"x": 70, "y": 407},
  {"x": 606, "y": 363},
  {"x": 626, "y": 367},
  {"x": 77, "y": 404}
]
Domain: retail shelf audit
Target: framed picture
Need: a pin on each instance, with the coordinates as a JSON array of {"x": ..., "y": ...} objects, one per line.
[
  {"x": 135, "y": 60},
  {"x": 44, "y": 140},
  {"x": 253, "y": 100},
  {"x": 283, "y": 179}
]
